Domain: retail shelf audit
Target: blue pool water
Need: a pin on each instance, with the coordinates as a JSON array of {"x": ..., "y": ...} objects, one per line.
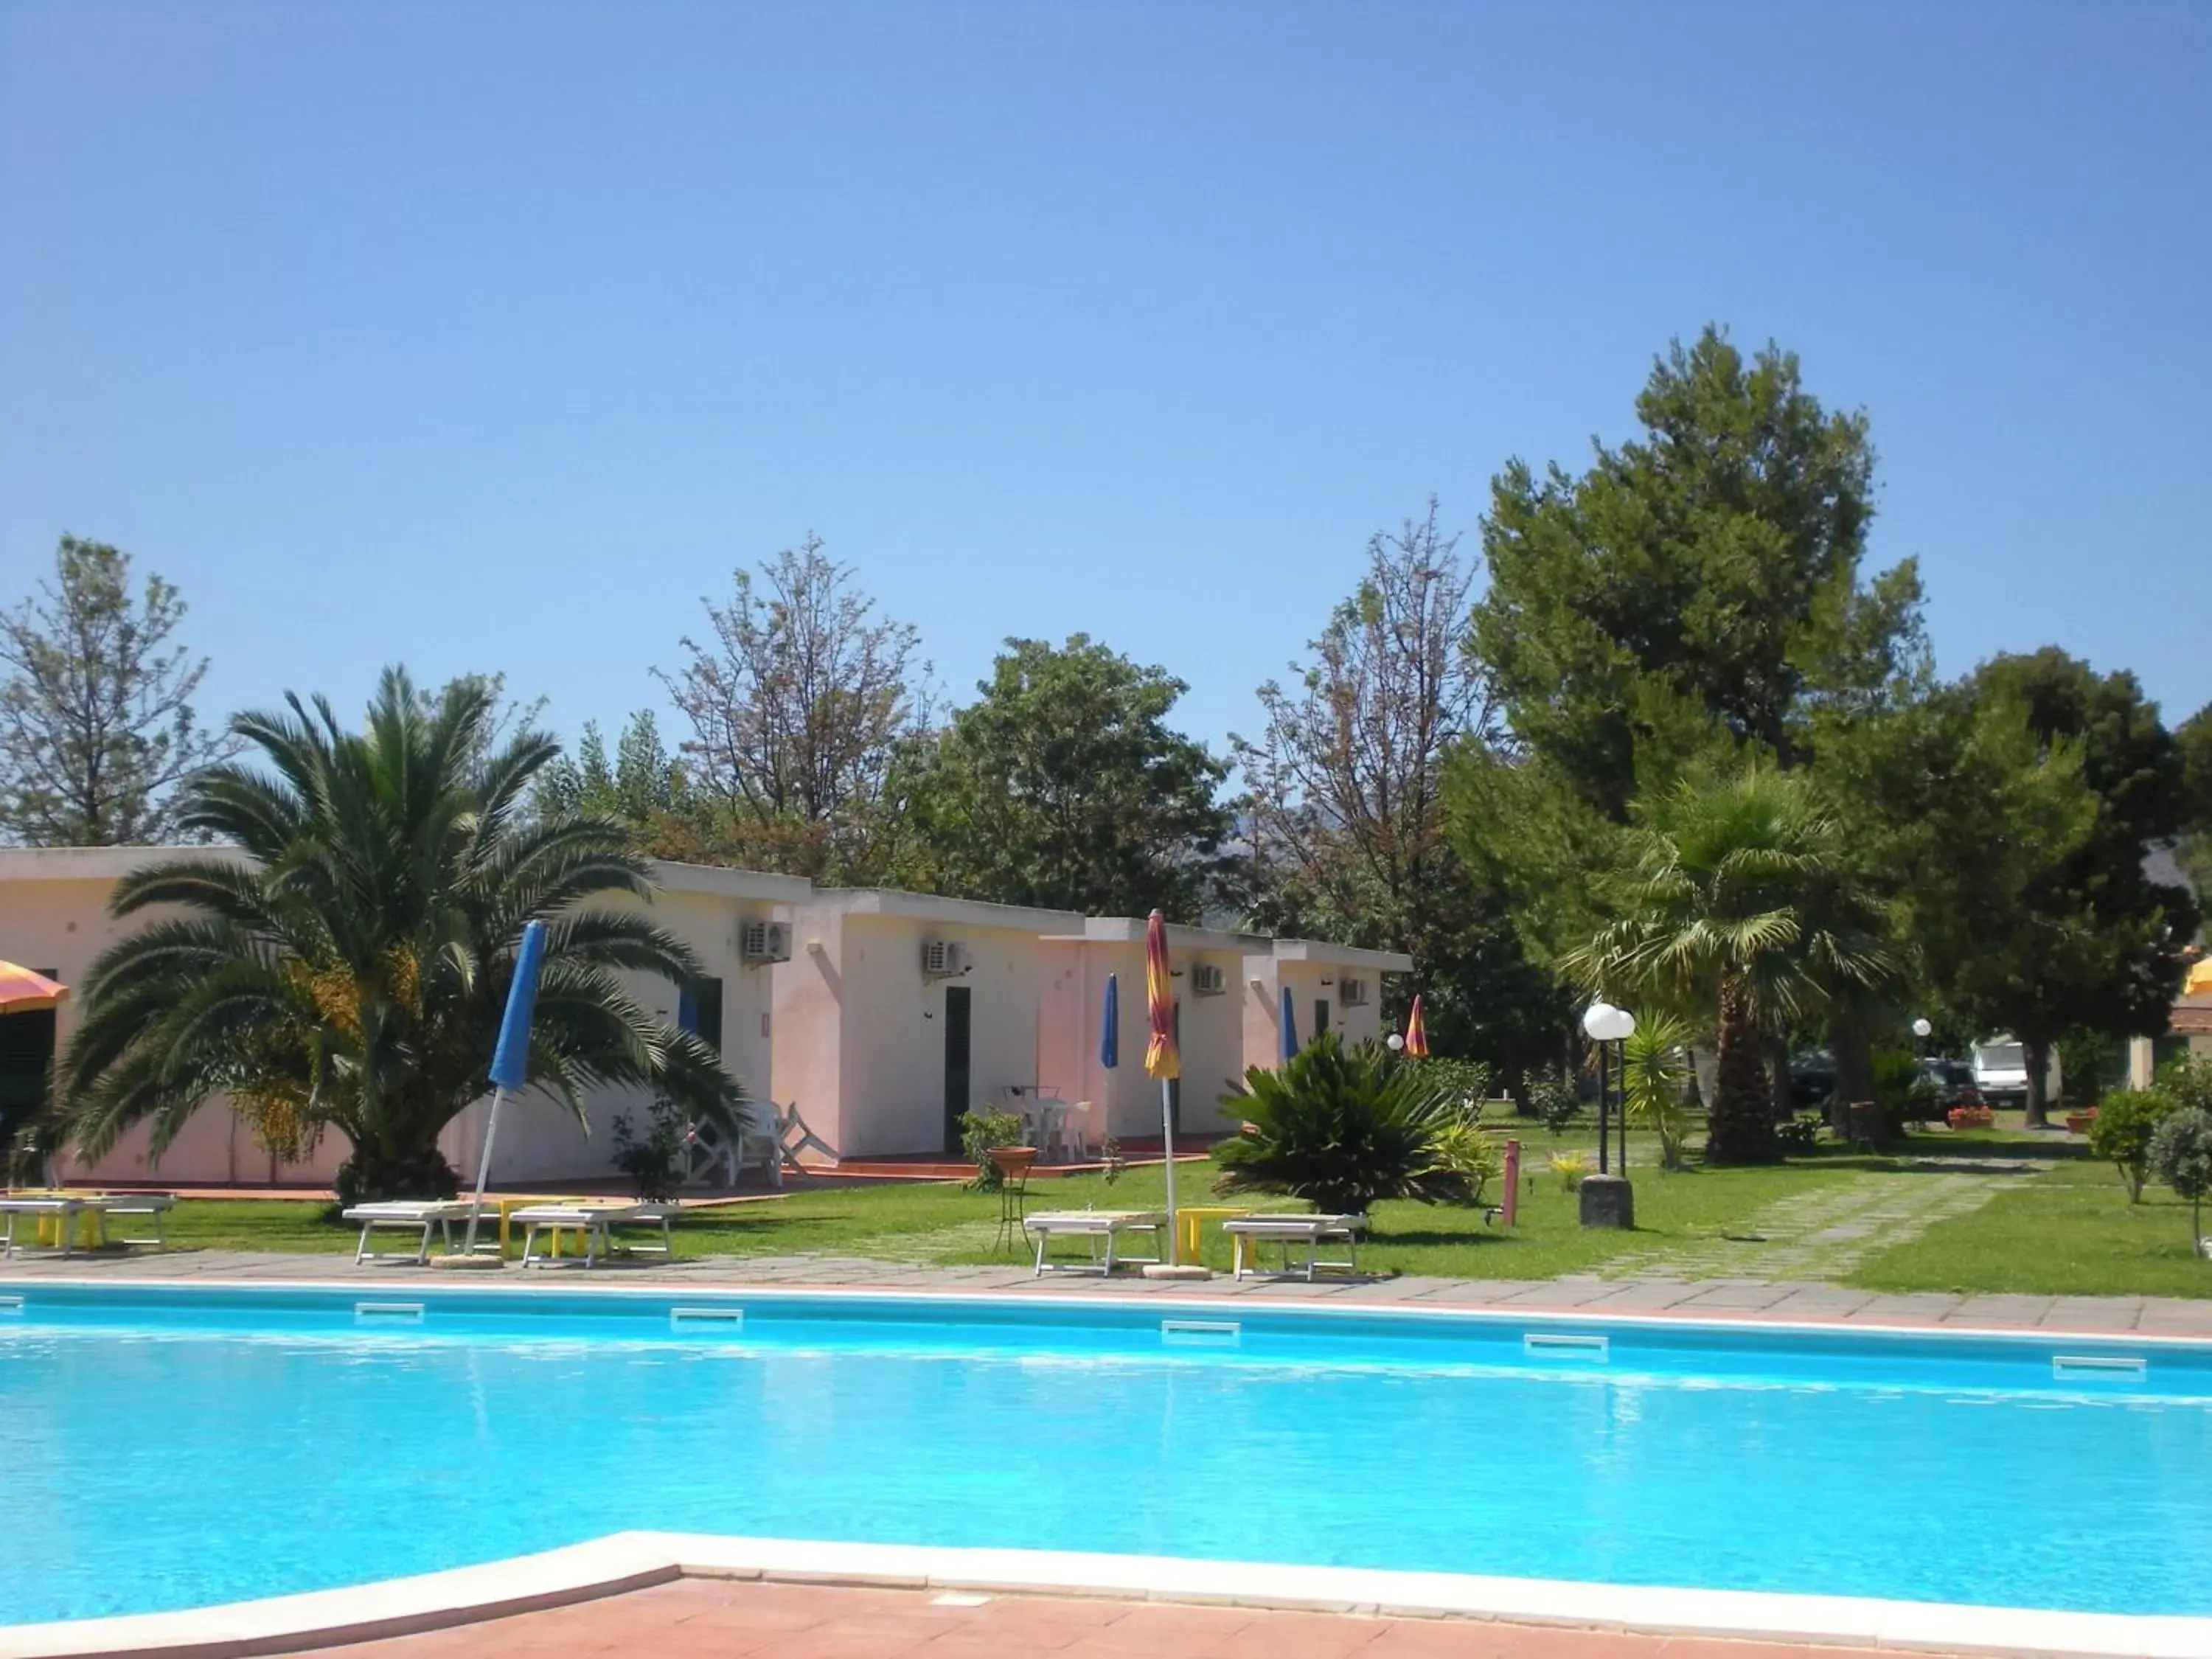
[{"x": 181, "y": 1448}]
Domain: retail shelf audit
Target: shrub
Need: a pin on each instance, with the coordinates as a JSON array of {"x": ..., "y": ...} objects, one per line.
[
  {"x": 1460, "y": 1145},
  {"x": 981, "y": 1134},
  {"x": 1903, "y": 1091},
  {"x": 654, "y": 1162},
  {"x": 1340, "y": 1127},
  {"x": 1552, "y": 1097},
  {"x": 1798, "y": 1134},
  {"x": 2181, "y": 1157},
  {"x": 2188, "y": 1079},
  {"x": 1464, "y": 1082},
  {"x": 2121, "y": 1132},
  {"x": 1656, "y": 1070},
  {"x": 1571, "y": 1168}
]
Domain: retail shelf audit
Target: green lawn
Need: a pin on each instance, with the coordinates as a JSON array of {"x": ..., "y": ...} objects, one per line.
[
  {"x": 2068, "y": 1229},
  {"x": 2070, "y": 1232}
]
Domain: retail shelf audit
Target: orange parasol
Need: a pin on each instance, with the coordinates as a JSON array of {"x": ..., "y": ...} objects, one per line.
[
  {"x": 1417, "y": 1031},
  {"x": 21, "y": 989}
]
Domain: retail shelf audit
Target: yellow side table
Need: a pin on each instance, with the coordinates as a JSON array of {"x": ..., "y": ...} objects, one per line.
[{"x": 1190, "y": 1223}]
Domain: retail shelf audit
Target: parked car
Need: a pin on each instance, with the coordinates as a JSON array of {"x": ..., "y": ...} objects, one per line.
[
  {"x": 1811, "y": 1079},
  {"x": 2001, "y": 1072},
  {"x": 1953, "y": 1081}
]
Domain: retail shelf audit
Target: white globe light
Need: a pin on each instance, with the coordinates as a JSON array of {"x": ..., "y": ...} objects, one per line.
[
  {"x": 1396, "y": 1042},
  {"x": 1624, "y": 1025},
  {"x": 1597, "y": 1021},
  {"x": 1921, "y": 1028}
]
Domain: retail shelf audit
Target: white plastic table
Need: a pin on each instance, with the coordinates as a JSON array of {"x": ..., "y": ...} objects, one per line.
[{"x": 1246, "y": 1233}]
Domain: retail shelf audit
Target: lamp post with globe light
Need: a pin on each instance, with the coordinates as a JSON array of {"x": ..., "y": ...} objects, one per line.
[
  {"x": 1607, "y": 1199},
  {"x": 1922, "y": 1030}
]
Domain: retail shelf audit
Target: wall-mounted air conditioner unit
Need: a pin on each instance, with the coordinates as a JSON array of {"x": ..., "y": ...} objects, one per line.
[
  {"x": 1352, "y": 994},
  {"x": 945, "y": 958},
  {"x": 764, "y": 941},
  {"x": 1208, "y": 980}
]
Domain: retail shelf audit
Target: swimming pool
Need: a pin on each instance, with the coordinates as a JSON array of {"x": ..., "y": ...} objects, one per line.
[{"x": 181, "y": 1447}]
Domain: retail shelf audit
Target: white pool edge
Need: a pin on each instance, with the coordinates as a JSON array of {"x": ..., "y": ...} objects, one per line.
[
  {"x": 636, "y": 1561},
  {"x": 1712, "y": 1320}
]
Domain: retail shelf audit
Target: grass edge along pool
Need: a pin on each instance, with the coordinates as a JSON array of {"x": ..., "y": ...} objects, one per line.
[{"x": 1742, "y": 1352}]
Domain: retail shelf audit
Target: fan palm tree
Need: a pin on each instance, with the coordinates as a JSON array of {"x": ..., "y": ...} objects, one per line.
[
  {"x": 347, "y": 966},
  {"x": 1736, "y": 900}
]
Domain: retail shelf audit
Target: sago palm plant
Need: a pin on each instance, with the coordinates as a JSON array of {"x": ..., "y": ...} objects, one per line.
[
  {"x": 1342, "y": 1127},
  {"x": 345, "y": 969},
  {"x": 1736, "y": 900}
]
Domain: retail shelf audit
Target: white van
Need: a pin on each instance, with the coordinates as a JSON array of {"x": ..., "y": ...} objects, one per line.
[{"x": 2001, "y": 1071}]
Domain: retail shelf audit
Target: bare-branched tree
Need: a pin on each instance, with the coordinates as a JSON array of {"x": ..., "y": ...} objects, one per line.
[{"x": 797, "y": 703}]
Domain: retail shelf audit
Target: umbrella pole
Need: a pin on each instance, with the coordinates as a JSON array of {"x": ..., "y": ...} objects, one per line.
[
  {"x": 483, "y": 1169},
  {"x": 1167, "y": 1139}
]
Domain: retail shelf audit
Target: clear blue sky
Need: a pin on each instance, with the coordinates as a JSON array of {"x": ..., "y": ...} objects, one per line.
[{"x": 492, "y": 337}]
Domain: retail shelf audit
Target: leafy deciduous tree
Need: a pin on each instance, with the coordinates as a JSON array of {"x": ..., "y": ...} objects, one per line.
[
  {"x": 1064, "y": 786},
  {"x": 1350, "y": 835},
  {"x": 797, "y": 703},
  {"x": 2093, "y": 944}
]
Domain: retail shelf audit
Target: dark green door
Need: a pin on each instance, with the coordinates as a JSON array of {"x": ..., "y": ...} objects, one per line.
[
  {"x": 1321, "y": 1015},
  {"x": 956, "y": 1063}
]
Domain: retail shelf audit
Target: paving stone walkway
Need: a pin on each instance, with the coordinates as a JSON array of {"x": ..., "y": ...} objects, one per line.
[{"x": 1826, "y": 1232}]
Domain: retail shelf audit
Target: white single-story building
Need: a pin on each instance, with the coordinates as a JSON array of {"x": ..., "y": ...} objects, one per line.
[
  {"x": 879, "y": 1015},
  {"x": 1208, "y": 968}
]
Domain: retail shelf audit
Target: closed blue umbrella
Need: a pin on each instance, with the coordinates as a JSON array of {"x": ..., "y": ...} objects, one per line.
[
  {"x": 510, "y": 1060},
  {"x": 1109, "y": 1036},
  {"x": 1289, "y": 1027}
]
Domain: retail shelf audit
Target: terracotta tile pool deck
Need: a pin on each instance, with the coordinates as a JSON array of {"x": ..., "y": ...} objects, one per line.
[{"x": 698, "y": 1618}]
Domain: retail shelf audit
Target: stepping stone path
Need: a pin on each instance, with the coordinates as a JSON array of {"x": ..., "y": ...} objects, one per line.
[{"x": 1824, "y": 1233}]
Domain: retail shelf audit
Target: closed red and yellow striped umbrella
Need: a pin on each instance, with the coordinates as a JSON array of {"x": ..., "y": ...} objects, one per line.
[
  {"x": 1161, "y": 1059},
  {"x": 1417, "y": 1029},
  {"x": 21, "y": 989}
]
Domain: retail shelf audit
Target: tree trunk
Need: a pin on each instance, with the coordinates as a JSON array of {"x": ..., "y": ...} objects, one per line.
[
  {"x": 1853, "y": 1052},
  {"x": 1742, "y": 1121},
  {"x": 2037, "y": 1051},
  {"x": 1781, "y": 1104}
]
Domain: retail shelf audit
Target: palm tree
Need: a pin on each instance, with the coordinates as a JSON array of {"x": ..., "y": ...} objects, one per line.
[
  {"x": 349, "y": 971},
  {"x": 1737, "y": 899}
]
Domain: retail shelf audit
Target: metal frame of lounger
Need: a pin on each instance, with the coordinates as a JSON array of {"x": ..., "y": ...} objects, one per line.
[
  {"x": 398, "y": 1213},
  {"x": 1093, "y": 1225},
  {"x": 595, "y": 1222},
  {"x": 67, "y": 1210},
  {"x": 1248, "y": 1232},
  {"x": 157, "y": 1205}
]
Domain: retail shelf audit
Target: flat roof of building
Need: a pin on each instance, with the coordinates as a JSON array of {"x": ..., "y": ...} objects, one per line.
[
  {"x": 1130, "y": 930},
  {"x": 722, "y": 882},
  {"x": 954, "y": 912},
  {"x": 1342, "y": 956}
]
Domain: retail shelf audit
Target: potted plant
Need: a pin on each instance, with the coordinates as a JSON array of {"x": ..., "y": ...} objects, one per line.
[
  {"x": 1970, "y": 1117},
  {"x": 2082, "y": 1122}
]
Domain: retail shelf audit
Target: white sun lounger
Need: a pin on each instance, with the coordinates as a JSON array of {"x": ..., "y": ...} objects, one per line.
[
  {"x": 1246, "y": 1233},
  {"x": 66, "y": 1210},
  {"x": 595, "y": 1222},
  {"x": 403, "y": 1213},
  {"x": 66, "y": 1207},
  {"x": 1092, "y": 1226}
]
